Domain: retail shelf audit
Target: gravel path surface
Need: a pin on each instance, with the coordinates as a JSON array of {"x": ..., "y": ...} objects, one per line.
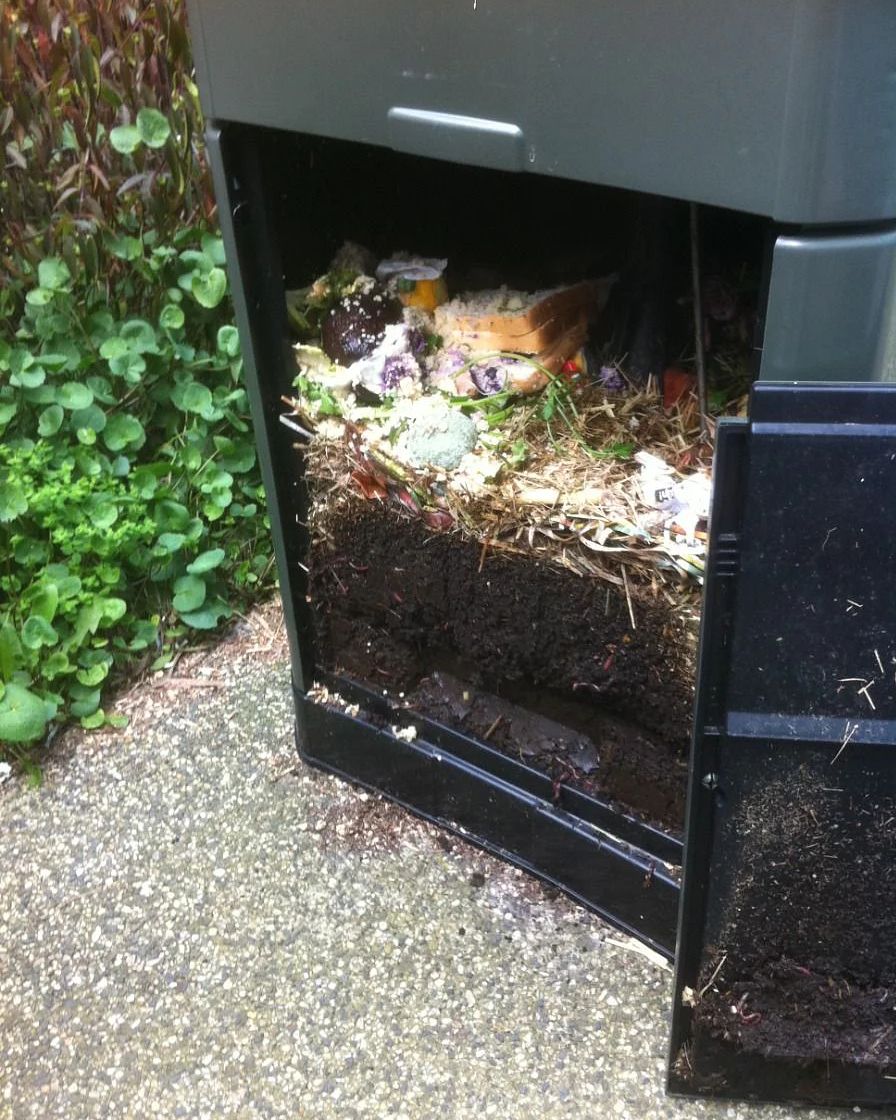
[{"x": 195, "y": 925}]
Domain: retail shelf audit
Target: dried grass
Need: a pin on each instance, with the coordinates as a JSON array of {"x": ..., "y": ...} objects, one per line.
[{"x": 573, "y": 504}]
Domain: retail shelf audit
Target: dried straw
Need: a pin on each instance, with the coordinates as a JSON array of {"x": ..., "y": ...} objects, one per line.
[{"x": 573, "y": 504}]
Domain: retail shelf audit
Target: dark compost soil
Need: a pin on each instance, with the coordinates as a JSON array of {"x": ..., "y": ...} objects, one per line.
[
  {"x": 542, "y": 662},
  {"x": 801, "y": 929}
]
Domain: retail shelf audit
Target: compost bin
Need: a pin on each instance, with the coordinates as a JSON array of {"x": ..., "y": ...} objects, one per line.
[{"x": 478, "y": 253}]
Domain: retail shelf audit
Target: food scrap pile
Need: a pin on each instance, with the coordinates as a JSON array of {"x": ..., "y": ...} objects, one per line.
[{"x": 490, "y": 413}]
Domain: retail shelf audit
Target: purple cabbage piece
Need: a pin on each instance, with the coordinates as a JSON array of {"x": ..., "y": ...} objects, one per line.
[
  {"x": 397, "y": 367},
  {"x": 488, "y": 379},
  {"x": 448, "y": 363},
  {"x": 611, "y": 379}
]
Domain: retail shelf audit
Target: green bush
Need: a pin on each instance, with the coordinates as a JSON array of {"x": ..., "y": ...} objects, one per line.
[
  {"x": 131, "y": 509},
  {"x": 129, "y": 491}
]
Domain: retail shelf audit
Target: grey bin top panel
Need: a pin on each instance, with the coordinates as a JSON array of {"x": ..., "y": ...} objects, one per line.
[{"x": 781, "y": 107}]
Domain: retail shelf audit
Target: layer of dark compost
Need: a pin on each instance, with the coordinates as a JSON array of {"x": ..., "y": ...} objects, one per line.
[
  {"x": 541, "y": 662},
  {"x": 789, "y": 1011},
  {"x": 799, "y": 965}
]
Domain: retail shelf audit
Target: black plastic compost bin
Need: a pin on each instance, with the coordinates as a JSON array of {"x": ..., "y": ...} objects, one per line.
[{"x": 319, "y": 118}]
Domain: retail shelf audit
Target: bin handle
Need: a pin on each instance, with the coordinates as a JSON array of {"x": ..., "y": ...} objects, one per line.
[{"x": 461, "y": 139}]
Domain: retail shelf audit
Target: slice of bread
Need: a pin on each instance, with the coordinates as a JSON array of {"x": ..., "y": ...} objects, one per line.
[
  {"x": 521, "y": 322},
  {"x": 513, "y": 315},
  {"x": 532, "y": 342}
]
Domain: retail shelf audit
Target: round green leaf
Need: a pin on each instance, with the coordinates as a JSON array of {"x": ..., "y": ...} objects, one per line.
[
  {"x": 206, "y": 561},
  {"x": 29, "y": 378},
  {"x": 192, "y": 457},
  {"x": 93, "y": 675},
  {"x": 122, "y": 429},
  {"x": 113, "y": 348},
  {"x": 145, "y": 633},
  {"x": 73, "y": 395},
  {"x": 86, "y": 700},
  {"x": 213, "y": 247},
  {"x": 55, "y": 665},
  {"x": 171, "y": 542},
  {"x": 50, "y": 420},
  {"x": 91, "y": 417},
  {"x": 171, "y": 318},
  {"x": 196, "y": 397},
  {"x": 103, "y": 513},
  {"x": 144, "y": 482},
  {"x": 208, "y": 289},
  {"x": 216, "y": 482},
  {"x": 53, "y": 273},
  {"x": 229, "y": 341},
  {"x": 8, "y": 409},
  {"x": 67, "y": 586},
  {"x": 213, "y": 511},
  {"x": 153, "y": 128},
  {"x": 30, "y": 553},
  {"x": 23, "y": 715},
  {"x": 200, "y": 261},
  {"x": 193, "y": 529},
  {"x": 125, "y": 248},
  {"x": 38, "y": 297},
  {"x": 20, "y": 359},
  {"x": 189, "y": 593},
  {"x": 44, "y": 601},
  {"x": 94, "y": 720},
  {"x": 131, "y": 367},
  {"x": 235, "y": 457},
  {"x": 100, "y": 324},
  {"x": 125, "y": 138},
  {"x": 101, "y": 389},
  {"x": 13, "y": 502},
  {"x": 38, "y": 632},
  {"x": 89, "y": 463},
  {"x": 140, "y": 336},
  {"x": 55, "y": 361},
  {"x": 43, "y": 394},
  {"x": 113, "y": 609},
  {"x": 209, "y": 616},
  {"x": 170, "y": 516}
]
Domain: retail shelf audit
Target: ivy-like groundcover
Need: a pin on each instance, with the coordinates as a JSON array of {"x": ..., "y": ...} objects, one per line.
[{"x": 131, "y": 511}]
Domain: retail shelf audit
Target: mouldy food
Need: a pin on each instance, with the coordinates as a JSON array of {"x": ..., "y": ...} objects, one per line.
[{"x": 484, "y": 540}]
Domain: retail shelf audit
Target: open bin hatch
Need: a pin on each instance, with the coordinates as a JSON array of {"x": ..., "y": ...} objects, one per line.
[{"x": 786, "y": 985}]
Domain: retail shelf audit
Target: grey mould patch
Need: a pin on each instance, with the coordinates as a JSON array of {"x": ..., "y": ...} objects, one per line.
[{"x": 441, "y": 440}]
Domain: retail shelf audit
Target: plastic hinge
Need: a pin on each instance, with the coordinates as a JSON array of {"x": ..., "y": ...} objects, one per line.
[{"x": 727, "y": 559}]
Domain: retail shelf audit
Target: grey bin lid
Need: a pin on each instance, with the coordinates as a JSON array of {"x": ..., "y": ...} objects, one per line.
[{"x": 785, "y": 108}]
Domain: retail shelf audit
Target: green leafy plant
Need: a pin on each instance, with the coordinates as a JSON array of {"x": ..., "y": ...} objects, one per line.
[
  {"x": 130, "y": 499},
  {"x": 131, "y": 509}
]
